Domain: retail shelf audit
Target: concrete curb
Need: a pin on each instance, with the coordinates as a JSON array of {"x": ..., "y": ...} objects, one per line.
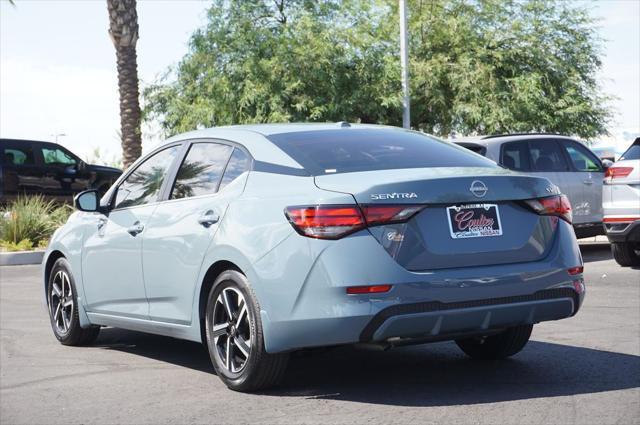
[
  {"x": 597, "y": 240},
  {"x": 21, "y": 258}
]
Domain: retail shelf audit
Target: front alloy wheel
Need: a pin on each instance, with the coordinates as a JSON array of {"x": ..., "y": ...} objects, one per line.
[
  {"x": 63, "y": 307},
  {"x": 61, "y": 302}
]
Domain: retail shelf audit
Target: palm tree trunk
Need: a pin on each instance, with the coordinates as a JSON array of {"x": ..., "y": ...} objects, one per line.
[{"x": 123, "y": 29}]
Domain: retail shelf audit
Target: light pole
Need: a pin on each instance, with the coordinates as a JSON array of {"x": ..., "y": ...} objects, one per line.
[
  {"x": 404, "y": 63},
  {"x": 56, "y": 135}
]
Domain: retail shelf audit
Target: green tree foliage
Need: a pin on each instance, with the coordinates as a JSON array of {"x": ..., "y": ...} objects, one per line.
[
  {"x": 484, "y": 66},
  {"x": 273, "y": 61},
  {"x": 498, "y": 66}
]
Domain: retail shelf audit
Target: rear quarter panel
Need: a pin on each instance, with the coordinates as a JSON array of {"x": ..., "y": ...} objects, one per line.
[{"x": 254, "y": 225}]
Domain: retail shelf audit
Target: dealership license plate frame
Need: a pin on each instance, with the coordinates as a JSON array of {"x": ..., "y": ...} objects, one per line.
[{"x": 496, "y": 227}]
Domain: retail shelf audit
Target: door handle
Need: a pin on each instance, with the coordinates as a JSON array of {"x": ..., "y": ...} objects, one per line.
[
  {"x": 135, "y": 229},
  {"x": 101, "y": 222},
  {"x": 588, "y": 182},
  {"x": 208, "y": 218}
]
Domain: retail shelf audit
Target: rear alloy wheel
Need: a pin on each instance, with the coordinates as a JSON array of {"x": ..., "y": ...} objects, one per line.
[
  {"x": 625, "y": 254},
  {"x": 234, "y": 336},
  {"x": 499, "y": 346},
  {"x": 231, "y": 330},
  {"x": 63, "y": 311}
]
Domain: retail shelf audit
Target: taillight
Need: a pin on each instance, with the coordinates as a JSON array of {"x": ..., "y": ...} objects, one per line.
[
  {"x": 557, "y": 205},
  {"x": 336, "y": 221},
  {"x": 621, "y": 219},
  {"x": 325, "y": 221},
  {"x": 372, "y": 289},
  {"x": 386, "y": 214},
  {"x": 575, "y": 270},
  {"x": 617, "y": 173}
]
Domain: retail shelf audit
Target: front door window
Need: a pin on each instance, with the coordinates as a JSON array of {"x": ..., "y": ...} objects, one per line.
[{"x": 143, "y": 185}]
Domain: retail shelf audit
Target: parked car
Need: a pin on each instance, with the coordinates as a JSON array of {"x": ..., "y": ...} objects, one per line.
[
  {"x": 261, "y": 240},
  {"x": 32, "y": 167},
  {"x": 567, "y": 163},
  {"x": 621, "y": 202}
]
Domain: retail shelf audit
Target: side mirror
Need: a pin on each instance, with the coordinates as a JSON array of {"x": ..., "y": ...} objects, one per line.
[
  {"x": 87, "y": 201},
  {"x": 606, "y": 164}
]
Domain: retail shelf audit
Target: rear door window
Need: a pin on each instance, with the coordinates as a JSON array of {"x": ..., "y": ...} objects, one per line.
[
  {"x": 343, "y": 151},
  {"x": 238, "y": 164},
  {"x": 582, "y": 159},
  {"x": 546, "y": 156},
  {"x": 515, "y": 156},
  {"x": 201, "y": 170},
  {"x": 18, "y": 155},
  {"x": 633, "y": 152}
]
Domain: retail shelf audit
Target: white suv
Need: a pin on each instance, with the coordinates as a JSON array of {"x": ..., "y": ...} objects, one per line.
[{"x": 621, "y": 206}]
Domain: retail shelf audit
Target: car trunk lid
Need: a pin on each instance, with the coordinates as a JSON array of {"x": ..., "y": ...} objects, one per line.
[{"x": 472, "y": 216}]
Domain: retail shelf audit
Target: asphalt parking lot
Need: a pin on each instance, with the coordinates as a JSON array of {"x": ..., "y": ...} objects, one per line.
[{"x": 581, "y": 370}]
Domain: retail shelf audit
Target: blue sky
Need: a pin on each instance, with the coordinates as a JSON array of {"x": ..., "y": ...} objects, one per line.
[{"x": 57, "y": 65}]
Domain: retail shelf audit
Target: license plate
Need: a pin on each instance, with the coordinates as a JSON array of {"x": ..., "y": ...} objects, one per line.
[{"x": 474, "y": 221}]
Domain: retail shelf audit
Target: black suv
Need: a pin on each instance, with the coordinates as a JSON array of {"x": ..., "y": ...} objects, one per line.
[{"x": 32, "y": 167}]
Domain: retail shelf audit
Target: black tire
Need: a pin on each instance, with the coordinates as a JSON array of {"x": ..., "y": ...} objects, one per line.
[
  {"x": 500, "y": 346},
  {"x": 624, "y": 253},
  {"x": 61, "y": 289},
  {"x": 260, "y": 370}
]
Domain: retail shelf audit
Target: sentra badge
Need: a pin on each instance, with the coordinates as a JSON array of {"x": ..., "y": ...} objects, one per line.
[{"x": 394, "y": 195}]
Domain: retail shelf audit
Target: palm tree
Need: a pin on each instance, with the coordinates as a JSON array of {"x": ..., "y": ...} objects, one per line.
[{"x": 123, "y": 29}]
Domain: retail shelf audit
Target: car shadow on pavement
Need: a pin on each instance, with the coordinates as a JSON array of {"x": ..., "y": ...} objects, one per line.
[
  {"x": 440, "y": 375},
  {"x": 596, "y": 252},
  {"x": 179, "y": 352},
  {"x": 425, "y": 375}
]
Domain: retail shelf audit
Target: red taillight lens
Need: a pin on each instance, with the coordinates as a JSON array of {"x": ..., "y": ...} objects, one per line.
[
  {"x": 336, "y": 221},
  {"x": 557, "y": 205},
  {"x": 575, "y": 270},
  {"x": 325, "y": 222},
  {"x": 621, "y": 219},
  {"x": 373, "y": 289},
  {"x": 617, "y": 172},
  {"x": 385, "y": 214}
]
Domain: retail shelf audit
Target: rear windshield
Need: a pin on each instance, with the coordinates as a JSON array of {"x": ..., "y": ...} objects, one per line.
[
  {"x": 345, "y": 151},
  {"x": 632, "y": 153}
]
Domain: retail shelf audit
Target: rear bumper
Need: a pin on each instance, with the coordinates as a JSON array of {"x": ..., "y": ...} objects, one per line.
[
  {"x": 309, "y": 307},
  {"x": 435, "y": 320},
  {"x": 427, "y": 321},
  {"x": 588, "y": 230},
  {"x": 623, "y": 232}
]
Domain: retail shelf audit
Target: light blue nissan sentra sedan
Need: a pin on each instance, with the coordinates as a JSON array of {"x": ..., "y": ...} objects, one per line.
[{"x": 261, "y": 240}]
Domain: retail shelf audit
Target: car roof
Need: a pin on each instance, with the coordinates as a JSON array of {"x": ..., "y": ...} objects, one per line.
[
  {"x": 466, "y": 139},
  {"x": 504, "y": 138},
  {"x": 280, "y": 128},
  {"x": 25, "y": 141},
  {"x": 254, "y": 137},
  {"x": 515, "y": 137}
]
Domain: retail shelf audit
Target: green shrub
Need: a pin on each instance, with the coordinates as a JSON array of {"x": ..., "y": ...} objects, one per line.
[
  {"x": 23, "y": 245},
  {"x": 32, "y": 219}
]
